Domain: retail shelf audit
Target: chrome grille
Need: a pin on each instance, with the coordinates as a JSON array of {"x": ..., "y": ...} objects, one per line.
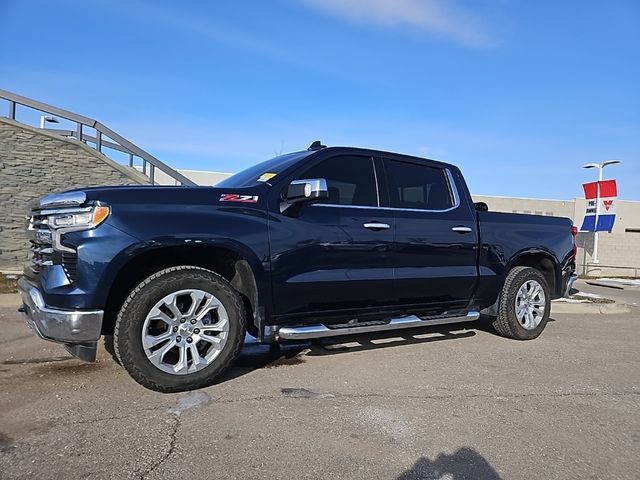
[{"x": 40, "y": 237}]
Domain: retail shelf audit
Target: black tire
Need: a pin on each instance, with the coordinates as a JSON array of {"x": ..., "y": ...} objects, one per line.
[
  {"x": 506, "y": 323},
  {"x": 132, "y": 315},
  {"x": 110, "y": 348}
]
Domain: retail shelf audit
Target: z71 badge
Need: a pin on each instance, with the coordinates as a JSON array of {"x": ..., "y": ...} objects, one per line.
[{"x": 234, "y": 197}]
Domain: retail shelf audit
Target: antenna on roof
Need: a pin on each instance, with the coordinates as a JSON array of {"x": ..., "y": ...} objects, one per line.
[{"x": 317, "y": 145}]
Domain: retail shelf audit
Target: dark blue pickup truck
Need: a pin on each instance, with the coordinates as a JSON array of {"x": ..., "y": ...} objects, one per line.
[{"x": 323, "y": 242}]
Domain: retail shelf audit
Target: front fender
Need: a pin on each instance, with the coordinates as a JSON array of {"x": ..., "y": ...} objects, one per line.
[
  {"x": 99, "y": 251},
  {"x": 238, "y": 229}
]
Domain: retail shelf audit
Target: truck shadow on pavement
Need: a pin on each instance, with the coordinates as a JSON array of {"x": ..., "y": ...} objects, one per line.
[
  {"x": 483, "y": 324},
  {"x": 255, "y": 356},
  {"x": 389, "y": 339},
  {"x": 465, "y": 463}
]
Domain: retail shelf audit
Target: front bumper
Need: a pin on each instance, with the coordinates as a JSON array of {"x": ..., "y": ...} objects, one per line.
[{"x": 79, "y": 330}]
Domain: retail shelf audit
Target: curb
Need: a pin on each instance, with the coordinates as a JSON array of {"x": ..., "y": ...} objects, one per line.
[{"x": 590, "y": 308}]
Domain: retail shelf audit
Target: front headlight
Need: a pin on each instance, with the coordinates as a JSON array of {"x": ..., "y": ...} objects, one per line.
[{"x": 80, "y": 220}]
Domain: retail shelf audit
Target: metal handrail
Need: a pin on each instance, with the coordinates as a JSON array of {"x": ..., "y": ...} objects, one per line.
[{"x": 119, "y": 143}]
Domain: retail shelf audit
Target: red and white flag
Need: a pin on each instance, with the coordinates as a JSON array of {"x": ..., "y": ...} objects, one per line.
[{"x": 600, "y": 217}]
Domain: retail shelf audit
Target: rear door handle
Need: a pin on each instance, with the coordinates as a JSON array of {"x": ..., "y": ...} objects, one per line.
[
  {"x": 461, "y": 229},
  {"x": 376, "y": 226}
]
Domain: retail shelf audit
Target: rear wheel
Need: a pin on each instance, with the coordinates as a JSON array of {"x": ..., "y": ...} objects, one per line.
[
  {"x": 525, "y": 304},
  {"x": 180, "y": 329}
]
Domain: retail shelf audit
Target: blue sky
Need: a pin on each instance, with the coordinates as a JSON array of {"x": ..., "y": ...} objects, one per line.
[{"x": 517, "y": 93}]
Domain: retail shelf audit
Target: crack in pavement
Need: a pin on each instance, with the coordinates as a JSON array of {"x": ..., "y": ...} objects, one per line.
[
  {"x": 193, "y": 399},
  {"x": 292, "y": 393},
  {"x": 173, "y": 435},
  {"x": 199, "y": 398},
  {"x": 133, "y": 413}
]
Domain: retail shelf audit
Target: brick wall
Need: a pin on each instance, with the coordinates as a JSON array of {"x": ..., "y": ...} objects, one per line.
[
  {"x": 34, "y": 163},
  {"x": 618, "y": 254}
]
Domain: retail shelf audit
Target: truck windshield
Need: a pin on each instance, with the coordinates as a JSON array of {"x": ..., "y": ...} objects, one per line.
[{"x": 262, "y": 172}]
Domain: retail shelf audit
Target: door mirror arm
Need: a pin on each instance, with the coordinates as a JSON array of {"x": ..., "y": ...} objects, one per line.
[{"x": 307, "y": 191}]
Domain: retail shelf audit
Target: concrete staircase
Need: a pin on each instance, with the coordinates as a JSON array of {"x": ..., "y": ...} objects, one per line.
[{"x": 94, "y": 134}]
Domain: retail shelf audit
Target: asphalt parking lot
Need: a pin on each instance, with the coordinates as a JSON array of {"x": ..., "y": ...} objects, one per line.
[{"x": 428, "y": 404}]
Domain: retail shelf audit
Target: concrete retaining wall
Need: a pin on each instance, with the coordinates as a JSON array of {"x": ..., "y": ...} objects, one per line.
[{"x": 34, "y": 163}]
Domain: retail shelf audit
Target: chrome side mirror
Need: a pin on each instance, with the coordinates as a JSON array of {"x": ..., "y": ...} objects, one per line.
[{"x": 305, "y": 191}]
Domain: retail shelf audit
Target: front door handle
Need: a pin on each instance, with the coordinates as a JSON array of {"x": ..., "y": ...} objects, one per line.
[
  {"x": 376, "y": 226},
  {"x": 461, "y": 229}
]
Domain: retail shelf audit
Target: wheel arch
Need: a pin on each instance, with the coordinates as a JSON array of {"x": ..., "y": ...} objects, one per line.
[
  {"x": 543, "y": 261},
  {"x": 236, "y": 266}
]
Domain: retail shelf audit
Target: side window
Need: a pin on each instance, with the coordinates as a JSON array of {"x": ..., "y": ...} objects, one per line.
[
  {"x": 350, "y": 180},
  {"x": 419, "y": 186}
]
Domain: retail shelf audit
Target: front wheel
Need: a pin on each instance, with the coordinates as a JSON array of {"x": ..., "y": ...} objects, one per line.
[
  {"x": 525, "y": 304},
  {"x": 180, "y": 329}
]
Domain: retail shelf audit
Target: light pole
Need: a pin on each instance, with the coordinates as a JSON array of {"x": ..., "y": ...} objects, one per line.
[
  {"x": 600, "y": 167},
  {"x": 44, "y": 119}
]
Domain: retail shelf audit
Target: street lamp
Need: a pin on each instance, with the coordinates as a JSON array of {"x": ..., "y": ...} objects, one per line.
[
  {"x": 47, "y": 119},
  {"x": 600, "y": 167}
]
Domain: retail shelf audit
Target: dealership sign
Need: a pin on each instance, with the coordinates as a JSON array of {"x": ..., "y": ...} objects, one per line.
[{"x": 601, "y": 207}]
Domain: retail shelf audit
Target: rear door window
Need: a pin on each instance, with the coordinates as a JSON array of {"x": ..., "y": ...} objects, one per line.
[{"x": 417, "y": 186}]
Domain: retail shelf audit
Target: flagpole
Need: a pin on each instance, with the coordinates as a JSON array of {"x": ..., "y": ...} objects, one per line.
[
  {"x": 600, "y": 167},
  {"x": 594, "y": 259}
]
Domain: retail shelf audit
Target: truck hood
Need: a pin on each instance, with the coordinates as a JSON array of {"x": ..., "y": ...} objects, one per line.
[{"x": 138, "y": 194}]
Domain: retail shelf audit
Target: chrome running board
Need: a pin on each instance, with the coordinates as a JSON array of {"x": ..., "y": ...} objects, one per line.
[{"x": 304, "y": 332}]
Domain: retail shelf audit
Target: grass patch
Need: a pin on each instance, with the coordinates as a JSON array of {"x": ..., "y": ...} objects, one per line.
[{"x": 8, "y": 283}]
